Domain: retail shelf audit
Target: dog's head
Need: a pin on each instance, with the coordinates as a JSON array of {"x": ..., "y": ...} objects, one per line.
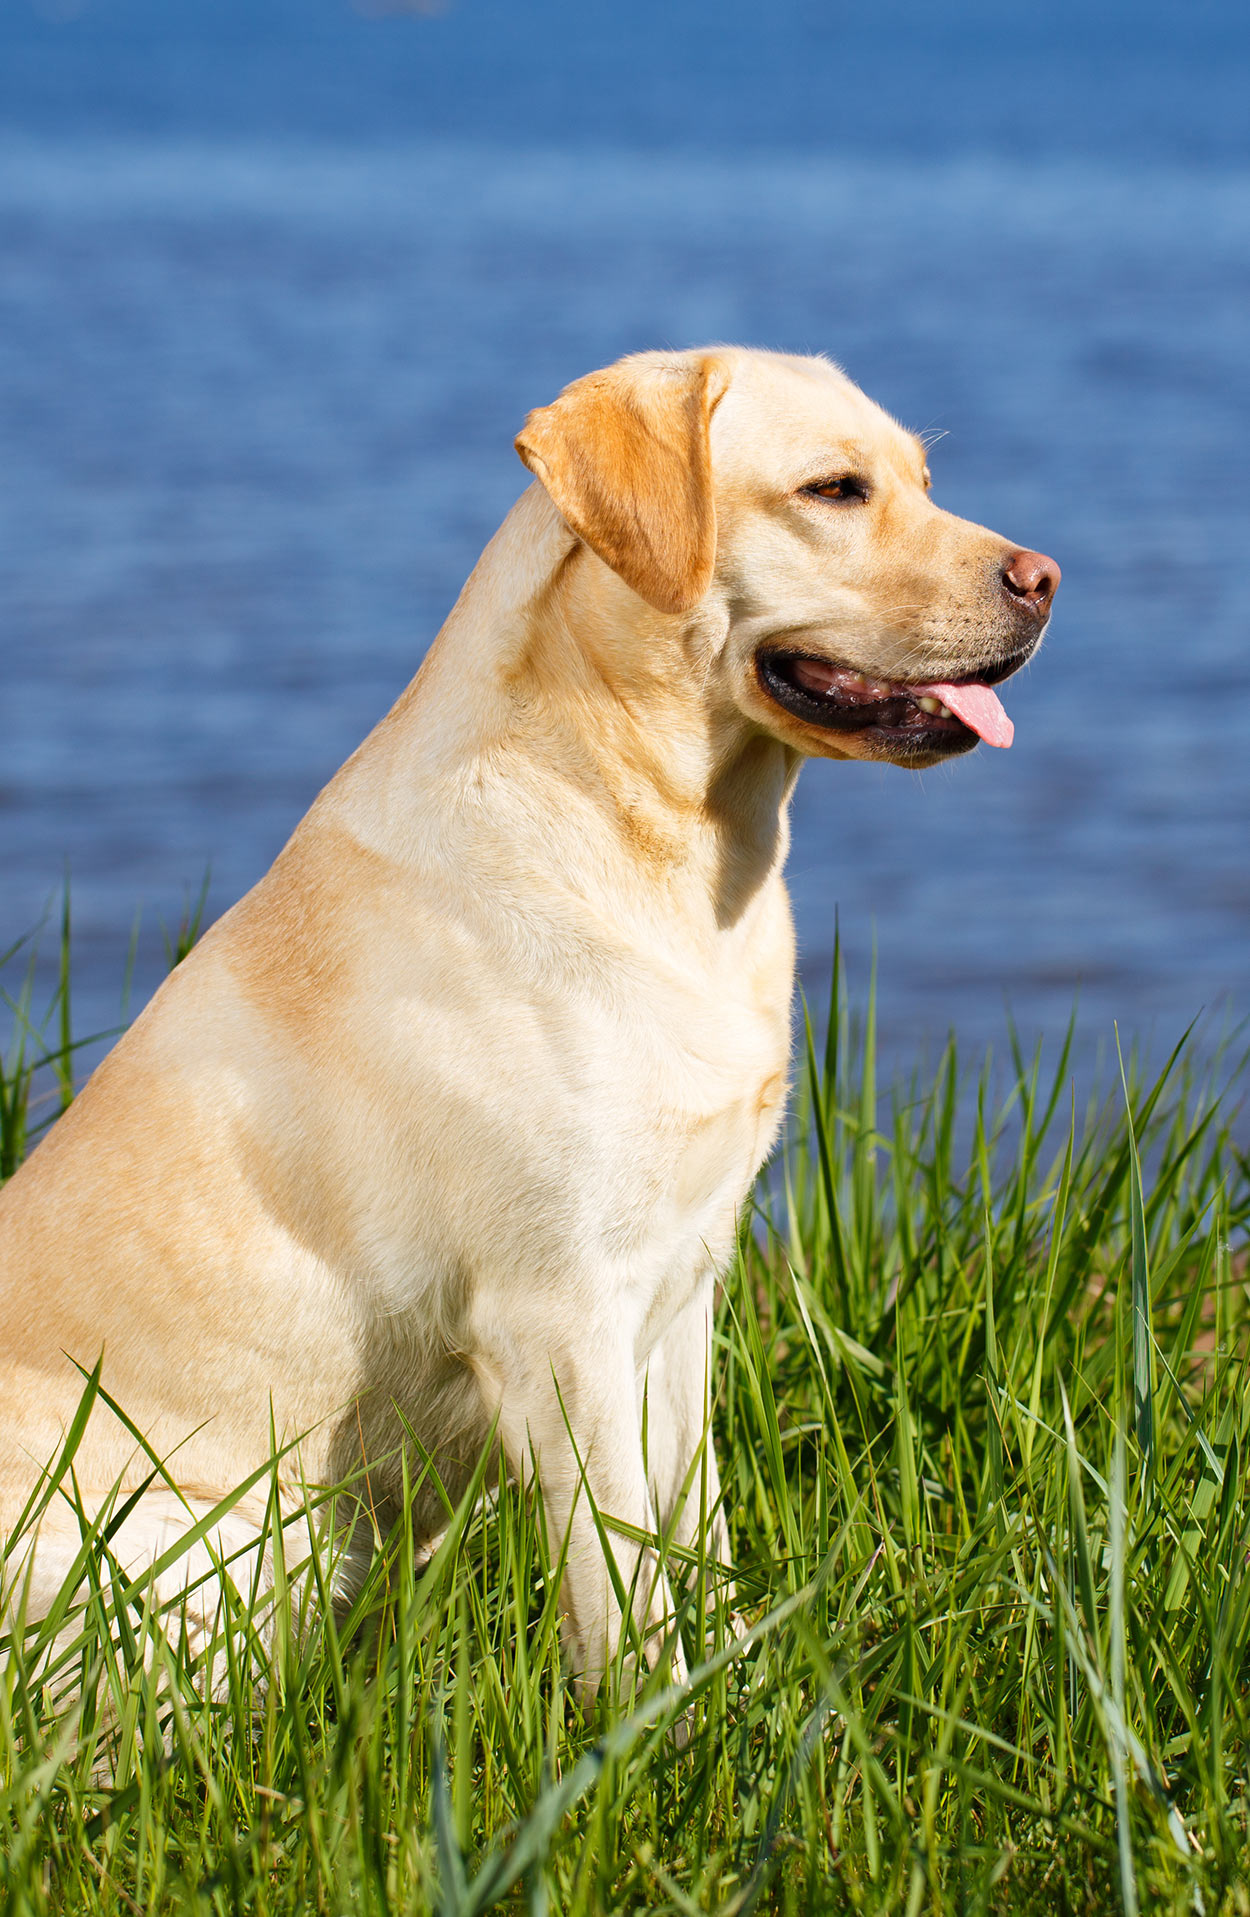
[{"x": 770, "y": 506}]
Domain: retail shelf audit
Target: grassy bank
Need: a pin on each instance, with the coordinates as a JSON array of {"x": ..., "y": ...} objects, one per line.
[{"x": 983, "y": 1417}]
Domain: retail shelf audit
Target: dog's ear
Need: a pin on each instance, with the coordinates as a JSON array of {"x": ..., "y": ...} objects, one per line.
[{"x": 624, "y": 455}]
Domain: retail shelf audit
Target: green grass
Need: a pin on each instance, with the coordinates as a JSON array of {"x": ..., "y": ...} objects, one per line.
[{"x": 983, "y": 1416}]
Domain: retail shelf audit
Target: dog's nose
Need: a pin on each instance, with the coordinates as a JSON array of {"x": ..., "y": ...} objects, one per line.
[{"x": 1032, "y": 577}]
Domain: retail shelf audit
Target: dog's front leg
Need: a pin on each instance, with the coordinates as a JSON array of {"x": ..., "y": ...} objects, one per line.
[
  {"x": 681, "y": 1458},
  {"x": 571, "y": 1408}
]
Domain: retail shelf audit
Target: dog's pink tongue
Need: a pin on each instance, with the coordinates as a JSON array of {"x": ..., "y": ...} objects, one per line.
[{"x": 980, "y": 709}]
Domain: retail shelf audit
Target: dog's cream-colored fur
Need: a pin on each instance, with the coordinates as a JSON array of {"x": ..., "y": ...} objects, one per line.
[{"x": 452, "y": 1116}]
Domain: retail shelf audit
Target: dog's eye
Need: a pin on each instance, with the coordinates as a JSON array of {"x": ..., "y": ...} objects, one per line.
[{"x": 839, "y": 489}]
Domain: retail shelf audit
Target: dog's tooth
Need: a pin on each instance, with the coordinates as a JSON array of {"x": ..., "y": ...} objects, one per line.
[
  {"x": 945, "y": 712},
  {"x": 929, "y": 704}
]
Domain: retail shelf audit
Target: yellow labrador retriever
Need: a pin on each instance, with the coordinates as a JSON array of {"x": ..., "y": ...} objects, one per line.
[{"x": 451, "y": 1118}]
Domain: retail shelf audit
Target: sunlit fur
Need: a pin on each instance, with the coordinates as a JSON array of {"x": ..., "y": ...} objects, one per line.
[{"x": 452, "y": 1116}]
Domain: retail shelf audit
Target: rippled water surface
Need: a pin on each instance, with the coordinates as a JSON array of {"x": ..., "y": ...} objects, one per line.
[{"x": 256, "y": 410}]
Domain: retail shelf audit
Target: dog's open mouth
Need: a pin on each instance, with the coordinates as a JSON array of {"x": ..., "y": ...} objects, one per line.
[{"x": 935, "y": 717}]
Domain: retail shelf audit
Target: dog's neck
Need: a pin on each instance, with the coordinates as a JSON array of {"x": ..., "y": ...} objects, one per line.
[{"x": 550, "y": 673}]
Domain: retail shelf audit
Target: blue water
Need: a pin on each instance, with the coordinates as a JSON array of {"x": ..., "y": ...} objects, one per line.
[{"x": 274, "y": 300}]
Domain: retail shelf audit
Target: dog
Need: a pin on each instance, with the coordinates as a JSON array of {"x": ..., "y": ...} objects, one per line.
[{"x": 446, "y": 1127}]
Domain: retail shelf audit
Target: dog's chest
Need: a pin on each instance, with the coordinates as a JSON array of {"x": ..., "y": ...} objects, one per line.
[
  {"x": 697, "y": 1100},
  {"x": 707, "y": 1148},
  {"x": 589, "y": 1145}
]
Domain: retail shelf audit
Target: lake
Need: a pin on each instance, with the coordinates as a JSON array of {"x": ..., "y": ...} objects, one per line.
[{"x": 258, "y": 387}]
